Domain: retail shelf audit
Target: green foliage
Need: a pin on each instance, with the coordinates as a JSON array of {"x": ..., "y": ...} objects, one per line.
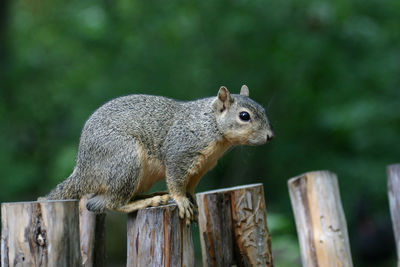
[{"x": 328, "y": 72}]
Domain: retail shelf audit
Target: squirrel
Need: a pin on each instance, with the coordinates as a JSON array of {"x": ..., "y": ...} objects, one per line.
[{"x": 132, "y": 142}]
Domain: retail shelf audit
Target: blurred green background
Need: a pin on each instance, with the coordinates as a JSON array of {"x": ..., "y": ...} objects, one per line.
[{"x": 328, "y": 73}]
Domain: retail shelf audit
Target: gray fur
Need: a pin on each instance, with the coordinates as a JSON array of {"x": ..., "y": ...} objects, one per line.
[{"x": 108, "y": 163}]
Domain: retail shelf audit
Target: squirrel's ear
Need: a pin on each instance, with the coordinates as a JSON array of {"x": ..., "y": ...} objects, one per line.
[
  {"x": 223, "y": 94},
  {"x": 244, "y": 90},
  {"x": 224, "y": 99}
]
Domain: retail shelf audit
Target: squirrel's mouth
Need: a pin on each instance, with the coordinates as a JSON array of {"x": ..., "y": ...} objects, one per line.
[
  {"x": 261, "y": 140},
  {"x": 257, "y": 142}
]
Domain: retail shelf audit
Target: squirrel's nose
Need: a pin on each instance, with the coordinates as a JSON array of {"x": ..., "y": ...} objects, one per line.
[{"x": 270, "y": 136}]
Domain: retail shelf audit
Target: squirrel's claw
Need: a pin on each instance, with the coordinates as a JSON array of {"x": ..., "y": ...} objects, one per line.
[
  {"x": 186, "y": 209},
  {"x": 195, "y": 214}
]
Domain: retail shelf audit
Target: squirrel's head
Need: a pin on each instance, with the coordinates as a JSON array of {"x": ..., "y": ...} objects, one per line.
[{"x": 240, "y": 119}]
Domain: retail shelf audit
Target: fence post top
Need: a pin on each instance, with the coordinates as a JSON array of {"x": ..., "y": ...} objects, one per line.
[
  {"x": 40, "y": 202},
  {"x": 239, "y": 187},
  {"x": 311, "y": 173}
]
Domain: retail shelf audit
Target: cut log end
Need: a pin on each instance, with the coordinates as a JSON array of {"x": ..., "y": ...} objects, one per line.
[
  {"x": 40, "y": 234},
  {"x": 158, "y": 237},
  {"x": 320, "y": 220},
  {"x": 233, "y": 227}
]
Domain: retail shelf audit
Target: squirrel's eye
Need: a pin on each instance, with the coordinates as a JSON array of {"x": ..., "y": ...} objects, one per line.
[{"x": 244, "y": 116}]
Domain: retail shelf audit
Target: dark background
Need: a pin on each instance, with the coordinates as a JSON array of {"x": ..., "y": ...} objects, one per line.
[{"x": 328, "y": 73}]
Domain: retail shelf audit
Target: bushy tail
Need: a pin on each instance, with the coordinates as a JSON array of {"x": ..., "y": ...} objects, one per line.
[{"x": 68, "y": 189}]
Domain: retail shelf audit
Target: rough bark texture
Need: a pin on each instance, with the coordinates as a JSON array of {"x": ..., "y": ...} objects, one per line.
[
  {"x": 233, "y": 227},
  {"x": 40, "y": 234},
  {"x": 320, "y": 221},
  {"x": 92, "y": 236},
  {"x": 157, "y": 237},
  {"x": 393, "y": 173}
]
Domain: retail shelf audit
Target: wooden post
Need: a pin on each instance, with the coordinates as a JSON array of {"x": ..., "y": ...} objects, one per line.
[
  {"x": 393, "y": 173},
  {"x": 233, "y": 227},
  {"x": 40, "y": 234},
  {"x": 320, "y": 221},
  {"x": 157, "y": 237},
  {"x": 92, "y": 236}
]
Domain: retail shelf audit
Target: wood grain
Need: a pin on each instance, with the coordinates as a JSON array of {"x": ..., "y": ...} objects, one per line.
[
  {"x": 320, "y": 221},
  {"x": 157, "y": 237},
  {"x": 233, "y": 227},
  {"x": 393, "y": 173},
  {"x": 92, "y": 236},
  {"x": 40, "y": 234}
]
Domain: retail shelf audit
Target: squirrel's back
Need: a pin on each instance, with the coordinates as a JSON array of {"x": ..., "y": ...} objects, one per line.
[{"x": 145, "y": 117}]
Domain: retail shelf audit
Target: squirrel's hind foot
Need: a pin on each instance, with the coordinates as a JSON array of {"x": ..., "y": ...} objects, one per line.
[
  {"x": 154, "y": 201},
  {"x": 187, "y": 205}
]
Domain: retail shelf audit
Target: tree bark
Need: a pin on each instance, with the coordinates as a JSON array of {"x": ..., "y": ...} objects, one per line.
[
  {"x": 40, "y": 234},
  {"x": 393, "y": 173},
  {"x": 320, "y": 221},
  {"x": 233, "y": 227},
  {"x": 157, "y": 237}
]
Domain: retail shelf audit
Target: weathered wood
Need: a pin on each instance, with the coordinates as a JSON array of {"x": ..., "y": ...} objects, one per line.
[
  {"x": 92, "y": 236},
  {"x": 320, "y": 221},
  {"x": 393, "y": 173},
  {"x": 40, "y": 234},
  {"x": 157, "y": 237},
  {"x": 233, "y": 227}
]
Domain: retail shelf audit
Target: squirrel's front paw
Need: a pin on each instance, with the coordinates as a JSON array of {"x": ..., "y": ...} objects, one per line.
[{"x": 186, "y": 208}]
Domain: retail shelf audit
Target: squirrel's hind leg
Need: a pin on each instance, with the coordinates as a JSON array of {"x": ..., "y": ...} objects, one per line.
[
  {"x": 154, "y": 201},
  {"x": 160, "y": 193},
  {"x": 117, "y": 172},
  {"x": 99, "y": 203}
]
